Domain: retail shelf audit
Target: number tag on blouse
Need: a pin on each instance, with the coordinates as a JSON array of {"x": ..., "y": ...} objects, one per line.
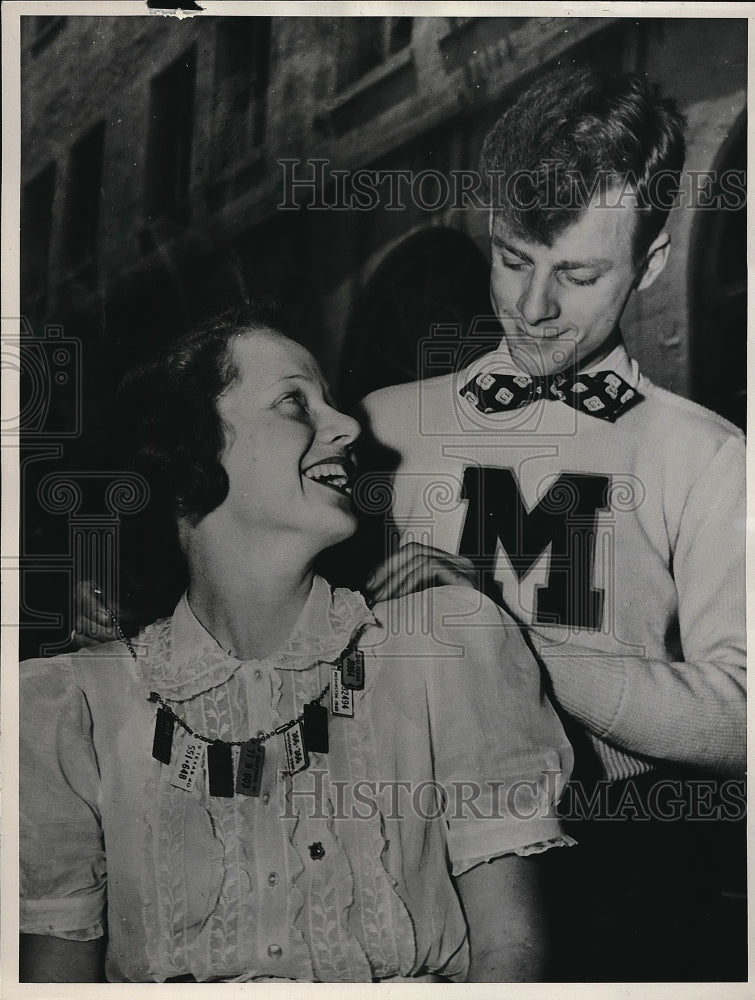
[
  {"x": 188, "y": 763},
  {"x": 352, "y": 669},
  {"x": 297, "y": 758},
  {"x": 341, "y": 698},
  {"x": 251, "y": 764}
]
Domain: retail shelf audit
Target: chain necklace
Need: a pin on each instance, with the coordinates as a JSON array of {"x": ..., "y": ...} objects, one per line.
[
  {"x": 306, "y": 733},
  {"x": 261, "y": 737}
]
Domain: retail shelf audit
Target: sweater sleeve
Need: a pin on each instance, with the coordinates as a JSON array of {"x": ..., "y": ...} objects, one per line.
[
  {"x": 63, "y": 884},
  {"x": 692, "y": 711}
]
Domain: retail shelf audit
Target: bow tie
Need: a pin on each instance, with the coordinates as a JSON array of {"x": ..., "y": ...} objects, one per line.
[{"x": 605, "y": 394}]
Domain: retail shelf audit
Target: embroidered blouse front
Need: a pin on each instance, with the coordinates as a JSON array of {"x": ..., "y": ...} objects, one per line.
[{"x": 327, "y": 875}]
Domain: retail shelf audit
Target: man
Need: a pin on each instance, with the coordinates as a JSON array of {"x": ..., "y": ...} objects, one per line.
[{"x": 606, "y": 513}]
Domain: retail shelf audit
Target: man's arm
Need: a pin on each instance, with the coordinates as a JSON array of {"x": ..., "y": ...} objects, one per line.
[{"x": 692, "y": 711}]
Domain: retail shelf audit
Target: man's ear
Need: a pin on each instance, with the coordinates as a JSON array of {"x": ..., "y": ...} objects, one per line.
[{"x": 655, "y": 260}]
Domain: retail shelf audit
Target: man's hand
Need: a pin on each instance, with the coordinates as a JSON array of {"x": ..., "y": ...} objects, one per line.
[
  {"x": 93, "y": 624},
  {"x": 416, "y": 567}
]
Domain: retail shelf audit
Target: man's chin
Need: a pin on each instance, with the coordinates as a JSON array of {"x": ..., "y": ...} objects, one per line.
[{"x": 540, "y": 357}]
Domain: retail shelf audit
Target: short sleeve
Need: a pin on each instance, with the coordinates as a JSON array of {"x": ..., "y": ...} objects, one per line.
[
  {"x": 63, "y": 882},
  {"x": 500, "y": 753}
]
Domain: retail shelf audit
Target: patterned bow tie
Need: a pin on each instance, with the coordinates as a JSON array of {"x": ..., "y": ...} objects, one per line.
[{"x": 604, "y": 394}]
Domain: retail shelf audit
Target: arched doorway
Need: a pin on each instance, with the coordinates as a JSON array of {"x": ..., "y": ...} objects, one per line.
[
  {"x": 435, "y": 278},
  {"x": 719, "y": 288}
]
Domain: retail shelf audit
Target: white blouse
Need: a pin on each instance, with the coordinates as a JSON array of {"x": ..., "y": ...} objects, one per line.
[{"x": 340, "y": 872}]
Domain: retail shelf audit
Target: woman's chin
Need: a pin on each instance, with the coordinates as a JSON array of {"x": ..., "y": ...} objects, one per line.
[{"x": 337, "y": 527}]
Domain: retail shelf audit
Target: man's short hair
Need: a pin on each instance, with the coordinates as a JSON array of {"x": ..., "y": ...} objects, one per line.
[{"x": 574, "y": 133}]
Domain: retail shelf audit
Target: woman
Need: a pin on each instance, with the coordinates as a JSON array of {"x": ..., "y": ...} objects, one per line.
[{"x": 274, "y": 782}]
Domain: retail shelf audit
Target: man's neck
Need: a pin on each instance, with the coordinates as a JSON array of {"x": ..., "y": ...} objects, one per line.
[{"x": 599, "y": 354}]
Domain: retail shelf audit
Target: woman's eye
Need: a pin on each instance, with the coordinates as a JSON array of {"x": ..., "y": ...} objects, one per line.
[
  {"x": 293, "y": 401},
  {"x": 513, "y": 264}
]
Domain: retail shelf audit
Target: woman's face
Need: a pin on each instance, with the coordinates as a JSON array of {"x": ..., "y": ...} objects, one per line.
[{"x": 288, "y": 451}]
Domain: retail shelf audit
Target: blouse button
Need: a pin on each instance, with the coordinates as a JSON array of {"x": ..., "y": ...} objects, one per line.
[
  {"x": 274, "y": 951},
  {"x": 273, "y": 878},
  {"x": 258, "y": 675},
  {"x": 265, "y": 797}
]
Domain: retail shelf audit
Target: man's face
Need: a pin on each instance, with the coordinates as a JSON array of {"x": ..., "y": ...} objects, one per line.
[{"x": 560, "y": 305}]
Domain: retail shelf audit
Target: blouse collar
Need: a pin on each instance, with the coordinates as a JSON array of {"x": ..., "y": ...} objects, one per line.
[{"x": 187, "y": 660}]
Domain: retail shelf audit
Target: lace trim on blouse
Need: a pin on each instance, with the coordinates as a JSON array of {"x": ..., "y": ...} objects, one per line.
[
  {"x": 381, "y": 928},
  {"x": 183, "y": 662}
]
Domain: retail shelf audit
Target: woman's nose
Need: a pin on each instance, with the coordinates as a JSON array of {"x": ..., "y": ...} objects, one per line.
[{"x": 341, "y": 427}]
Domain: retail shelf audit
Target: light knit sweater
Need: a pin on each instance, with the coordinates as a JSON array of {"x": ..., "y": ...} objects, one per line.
[{"x": 620, "y": 548}]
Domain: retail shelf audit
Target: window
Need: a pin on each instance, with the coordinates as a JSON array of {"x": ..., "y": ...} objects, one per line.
[
  {"x": 366, "y": 42},
  {"x": 171, "y": 128},
  {"x": 241, "y": 76},
  {"x": 436, "y": 279},
  {"x": 83, "y": 195},
  {"x": 36, "y": 225},
  {"x": 482, "y": 43}
]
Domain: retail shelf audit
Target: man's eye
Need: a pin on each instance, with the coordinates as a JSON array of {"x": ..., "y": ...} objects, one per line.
[
  {"x": 572, "y": 280},
  {"x": 512, "y": 263}
]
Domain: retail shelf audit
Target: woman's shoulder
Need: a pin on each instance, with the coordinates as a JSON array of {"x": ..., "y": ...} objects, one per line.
[
  {"x": 74, "y": 661},
  {"x": 438, "y": 616},
  {"x": 108, "y": 663},
  {"x": 460, "y": 601},
  {"x": 65, "y": 675}
]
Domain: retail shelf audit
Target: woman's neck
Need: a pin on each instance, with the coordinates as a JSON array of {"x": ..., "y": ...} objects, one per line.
[{"x": 249, "y": 598}]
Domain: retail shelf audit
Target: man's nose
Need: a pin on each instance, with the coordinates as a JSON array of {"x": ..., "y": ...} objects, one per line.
[{"x": 538, "y": 302}]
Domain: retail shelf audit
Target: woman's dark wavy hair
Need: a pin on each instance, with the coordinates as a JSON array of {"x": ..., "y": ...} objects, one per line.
[
  {"x": 575, "y": 131},
  {"x": 167, "y": 429}
]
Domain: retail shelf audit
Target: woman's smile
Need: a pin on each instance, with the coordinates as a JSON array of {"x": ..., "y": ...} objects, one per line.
[{"x": 336, "y": 472}]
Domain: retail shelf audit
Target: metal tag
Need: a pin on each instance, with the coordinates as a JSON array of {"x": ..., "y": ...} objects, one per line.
[
  {"x": 297, "y": 758},
  {"x": 163, "y": 739},
  {"x": 315, "y": 727},
  {"x": 352, "y": 669},
  {"x": 188, "y": 762},
  {"x": 220, "y": 769},
  {"x": 249, "y": 773},
  {"x": 341, "y": 698}
]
